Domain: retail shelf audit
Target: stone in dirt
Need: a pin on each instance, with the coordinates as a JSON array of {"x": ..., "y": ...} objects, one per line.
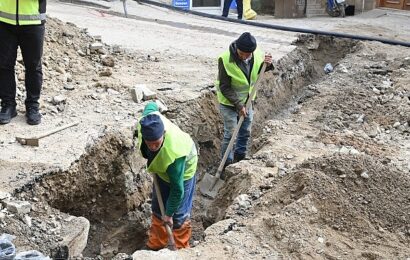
[
  {"x": 146, "y": 92},
  {"x": 4, "y": 195},
  {"x": 106, "y": 72},
  {"x": 75, "y": 235},
  {"x": 58, "y": 99},
  {"x": 137, "y": 95},
  {"x": 96, "y": 46},
  {"x": 108, "y": 61},
  {"x": 68, "y": 87},
  {"x": 18, "y": 207}
]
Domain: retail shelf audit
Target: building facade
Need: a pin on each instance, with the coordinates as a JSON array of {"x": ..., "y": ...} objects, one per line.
[{"x": 289, "y": 8}]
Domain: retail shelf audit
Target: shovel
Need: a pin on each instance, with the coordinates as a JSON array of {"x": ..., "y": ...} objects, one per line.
[
  {"x": 211, "y": 184},
  {"x": 171, "y": 240},
  {"x": 34, "y": 141}
]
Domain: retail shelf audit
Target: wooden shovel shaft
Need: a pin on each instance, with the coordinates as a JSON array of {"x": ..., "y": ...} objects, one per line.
[
  {"x": 171, "y": 240},
  {"x": 238, "y": 126},
  {"x": 34, "y": 141},
  {"x": 56, "y": 130}
]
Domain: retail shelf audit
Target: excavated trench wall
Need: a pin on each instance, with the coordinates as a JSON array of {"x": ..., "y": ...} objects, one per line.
[
  {"x": 280, "y": 93},
  {"x": 108, "y": 184}
]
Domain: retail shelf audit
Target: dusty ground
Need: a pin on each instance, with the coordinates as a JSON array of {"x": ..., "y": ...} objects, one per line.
[{"x": 329, "y": 171}]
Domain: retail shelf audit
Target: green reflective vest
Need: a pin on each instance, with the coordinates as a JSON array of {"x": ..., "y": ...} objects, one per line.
[
  {"x": 22, "y": 12},
  {"x": 176, "y": 144},
  {"x": 239, "y": 82}
]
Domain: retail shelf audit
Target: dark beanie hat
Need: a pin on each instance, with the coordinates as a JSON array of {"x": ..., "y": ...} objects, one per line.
[
  {"x": 152, "y": 127},
  {"x": 246, "y": 42}
]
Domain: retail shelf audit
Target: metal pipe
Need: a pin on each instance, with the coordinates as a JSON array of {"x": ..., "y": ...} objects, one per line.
[{"x": 282, "y": 28}]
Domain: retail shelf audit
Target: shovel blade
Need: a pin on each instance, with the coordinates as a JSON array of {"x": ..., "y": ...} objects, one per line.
[{"x": 205, "y": 187}]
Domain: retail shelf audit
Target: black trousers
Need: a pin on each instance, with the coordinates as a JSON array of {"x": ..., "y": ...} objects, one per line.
[
  {"x": 30, "y": 38},
  {"x": 239, "y": 6}
]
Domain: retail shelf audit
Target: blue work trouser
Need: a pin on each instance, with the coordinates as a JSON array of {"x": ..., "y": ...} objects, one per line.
[
  {"x": 231, "y": 118},
  {"x": 184, "y": 211}
]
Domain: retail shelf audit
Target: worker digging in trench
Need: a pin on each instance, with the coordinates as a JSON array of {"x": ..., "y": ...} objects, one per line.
[
  {"x": 171, "y": 153},
  {"x": 238, "y": 68},
  {"x": 171, "y": 156}
]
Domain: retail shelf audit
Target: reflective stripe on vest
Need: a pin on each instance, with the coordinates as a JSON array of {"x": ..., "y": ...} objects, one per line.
[
  {"x": 176, "y": 144},
  {"x": 28, "y": 12},
  {"x": 23, "y": 16},
  {"x": 239, "y": 82}
]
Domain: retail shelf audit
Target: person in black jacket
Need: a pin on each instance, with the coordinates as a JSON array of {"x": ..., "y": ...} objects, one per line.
[{"x": 21, "y": 24}]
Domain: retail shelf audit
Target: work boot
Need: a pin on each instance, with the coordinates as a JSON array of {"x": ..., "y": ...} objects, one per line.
[
  {"x": 33, "y": 116},
  {"x": 7, "y": 113},
  {"x": 238, "y": 157}
]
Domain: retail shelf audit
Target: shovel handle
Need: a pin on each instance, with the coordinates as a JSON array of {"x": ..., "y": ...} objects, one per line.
[
  {"x": 238, "y": 126},
  {"x": 171, "y": 240},
  {"x": 57, "y": 130}
]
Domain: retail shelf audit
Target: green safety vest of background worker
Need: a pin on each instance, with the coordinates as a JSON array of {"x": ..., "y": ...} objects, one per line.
[
  {"x": 172, "y": 155},
  {"x": 21, "y": 24},
  {"x": 239, "y": 68}
]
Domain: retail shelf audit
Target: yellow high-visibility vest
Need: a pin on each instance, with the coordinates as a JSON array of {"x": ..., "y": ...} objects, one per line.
[
  {"x": 239, "y": 82},
  {"x": 176, "y": 144},
  {"x": 22, "y": 12}
]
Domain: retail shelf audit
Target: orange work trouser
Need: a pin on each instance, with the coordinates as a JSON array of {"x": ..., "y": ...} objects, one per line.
[{"x": 158, "y": 237}]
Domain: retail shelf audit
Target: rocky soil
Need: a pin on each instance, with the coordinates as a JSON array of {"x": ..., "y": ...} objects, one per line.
[{"x": 328, "y": 176}]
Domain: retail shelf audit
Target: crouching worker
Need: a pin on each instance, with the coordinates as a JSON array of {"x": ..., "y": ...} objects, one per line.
[{"x": 172, "y": 155}]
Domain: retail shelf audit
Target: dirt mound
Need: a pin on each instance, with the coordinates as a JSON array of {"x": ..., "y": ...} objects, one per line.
[
  {"x": 340, "y": 203},
  {"x": 346, "y": 187}
]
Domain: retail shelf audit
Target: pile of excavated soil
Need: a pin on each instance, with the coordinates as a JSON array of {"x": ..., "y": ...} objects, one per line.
[
  {"x": 72, "y": 66},
  {"x": 340, "y": 206},
  {"x": 347, "y": 187},
  {"x": 330, "y": 176}
]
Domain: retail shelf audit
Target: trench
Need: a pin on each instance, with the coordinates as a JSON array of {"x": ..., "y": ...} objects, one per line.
[{"x": 108, "y": 184}]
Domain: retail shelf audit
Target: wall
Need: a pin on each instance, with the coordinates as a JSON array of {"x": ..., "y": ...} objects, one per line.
[
  {"x": 289, "y": 8},
  {"x": 317, "y": 7},
  {"x": 368, "y": 5},
  {"x": 263, "y": 6}
]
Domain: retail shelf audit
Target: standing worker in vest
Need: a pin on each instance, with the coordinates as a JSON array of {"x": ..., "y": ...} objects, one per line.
[
  {"x": 21, "y": 24},
  {"x": 172, "y": 155},
  {"x": 239, "y": 68}
]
